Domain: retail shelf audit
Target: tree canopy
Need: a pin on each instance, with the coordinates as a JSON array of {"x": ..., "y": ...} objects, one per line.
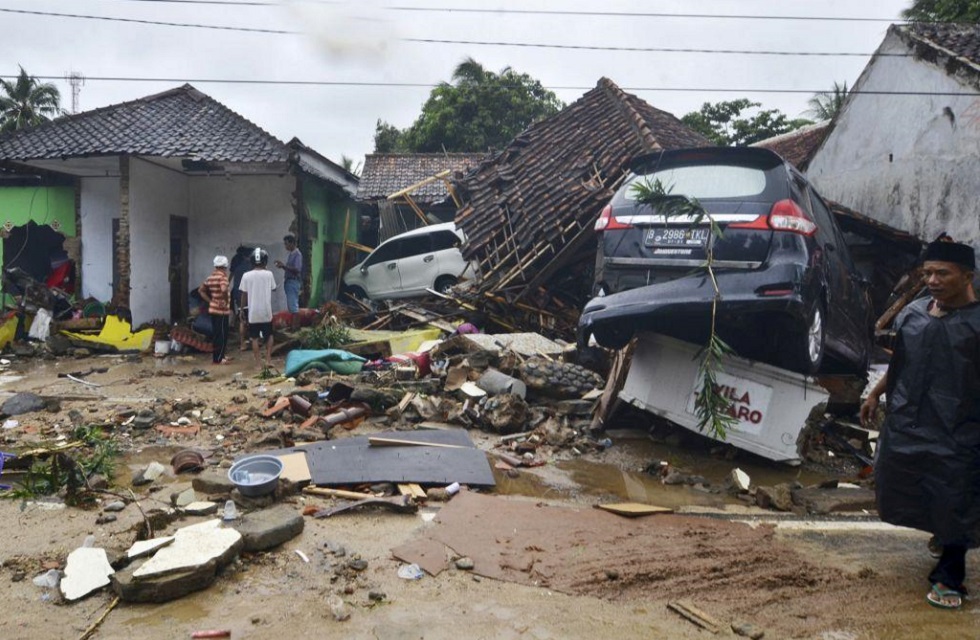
[
  {"x": 477, "y": 111},
  {"x": 727, "y": 123},
  {"x": 943, "y": 11},
  {"x": 26, "y": 102},
  {"x": 824, "y": 105}
]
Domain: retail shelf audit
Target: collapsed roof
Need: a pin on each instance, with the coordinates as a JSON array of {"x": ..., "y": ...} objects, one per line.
[{"x": 530, "y": 210}]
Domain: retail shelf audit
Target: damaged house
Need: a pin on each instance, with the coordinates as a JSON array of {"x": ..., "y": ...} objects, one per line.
[
  {"x": 403, "y": 191},
  {"x": 530, "y": 211},
  {"x": 904, "y": 147},
  {"x": 148, "y": 191}
]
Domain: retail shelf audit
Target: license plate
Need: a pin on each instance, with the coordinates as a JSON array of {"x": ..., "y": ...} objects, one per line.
[{"x": 677, "y": 237}]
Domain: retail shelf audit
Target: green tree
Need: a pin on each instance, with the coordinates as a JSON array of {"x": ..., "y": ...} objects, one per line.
[
  {"x": 824, "y": 105},
  {"x": 26, "y": 101},
  {"x": 943, "y": 11},
  {"x": 727, "y": 123},
  {"x": 388, "y": 138},
  {"x": 478, "y": 110}
]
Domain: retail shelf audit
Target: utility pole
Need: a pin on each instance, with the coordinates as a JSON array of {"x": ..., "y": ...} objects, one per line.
[{"x": 76, "y": 80}]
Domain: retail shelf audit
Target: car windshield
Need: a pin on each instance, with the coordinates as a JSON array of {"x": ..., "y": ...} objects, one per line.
[{"x": 706, "y": 181}]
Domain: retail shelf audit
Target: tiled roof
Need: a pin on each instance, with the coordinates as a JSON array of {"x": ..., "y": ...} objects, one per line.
[
  {"x": 955, "y": 46},
  {"x": 797, "y": 147},
  {"x": 180, "y": 123},
  {"x": 529, "y": 207},
  {"x": 387, "y": 173}
]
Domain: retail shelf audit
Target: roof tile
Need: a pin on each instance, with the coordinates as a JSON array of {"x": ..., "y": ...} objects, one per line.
[{"x": 181, "y": 122}]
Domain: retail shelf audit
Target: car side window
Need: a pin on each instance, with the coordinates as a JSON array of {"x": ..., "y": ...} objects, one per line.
[
  {"x": 416, "y": 245},
  {"x": 445, "y": 240},
  {"x": 388, "y": 251},
  {"x": 821, "y": 209}
]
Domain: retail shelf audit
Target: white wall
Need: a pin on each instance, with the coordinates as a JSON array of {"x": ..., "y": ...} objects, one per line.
[
  {"x": 155, "y": 194},
  {"x": 239, "y": 210},
  {"x": 909, "y": 161},
  {"x": 99, "y": 205}
]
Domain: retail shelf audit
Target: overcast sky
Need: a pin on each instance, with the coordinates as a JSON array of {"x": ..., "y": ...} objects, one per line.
[{"x": 365, "y": 42}]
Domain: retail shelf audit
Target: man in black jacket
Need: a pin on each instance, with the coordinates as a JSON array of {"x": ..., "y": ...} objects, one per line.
[{"x": 927, "y": 471}]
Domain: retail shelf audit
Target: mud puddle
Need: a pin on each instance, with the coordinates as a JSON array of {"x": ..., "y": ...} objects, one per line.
[{"x": 620, "y": 473}]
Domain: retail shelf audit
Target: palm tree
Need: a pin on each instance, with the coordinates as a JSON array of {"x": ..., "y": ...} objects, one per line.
[
  {"x": 26, "y": 101},
  {"x": 824, "y": 105},
  {"x": 349, "y": 166}
]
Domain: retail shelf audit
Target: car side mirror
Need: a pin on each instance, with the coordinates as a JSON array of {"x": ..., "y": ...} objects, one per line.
[{"x": 363, "y": 270}]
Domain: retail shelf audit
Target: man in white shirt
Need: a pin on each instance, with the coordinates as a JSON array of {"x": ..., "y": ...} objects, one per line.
[{"x": 256, "y": 288}]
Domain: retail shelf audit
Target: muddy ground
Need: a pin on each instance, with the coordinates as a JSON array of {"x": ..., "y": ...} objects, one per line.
[{"x": 835, "y": 578}]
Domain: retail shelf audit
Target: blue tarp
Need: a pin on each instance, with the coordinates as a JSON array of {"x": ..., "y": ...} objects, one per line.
[{"x": 336, "y": 360}]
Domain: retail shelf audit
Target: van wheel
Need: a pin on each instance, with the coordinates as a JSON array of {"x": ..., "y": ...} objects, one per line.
[
  {"x": 805, "y": 350},
  {"x": 445, "y": 283}
]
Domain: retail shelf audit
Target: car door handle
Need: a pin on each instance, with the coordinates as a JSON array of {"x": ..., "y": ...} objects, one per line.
[
  {"x": 428, "y": 258},
  {"x": 392, "y": 266}
]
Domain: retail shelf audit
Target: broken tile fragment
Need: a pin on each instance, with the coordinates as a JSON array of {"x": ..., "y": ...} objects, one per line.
[{"x": 86, "y": 570}]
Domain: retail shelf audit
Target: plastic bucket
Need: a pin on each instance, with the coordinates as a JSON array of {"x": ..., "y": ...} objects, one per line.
[{"x": 161, "y": 348}]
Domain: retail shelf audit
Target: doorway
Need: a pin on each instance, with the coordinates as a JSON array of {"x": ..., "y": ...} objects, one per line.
[{"x": 178, "y": 268}]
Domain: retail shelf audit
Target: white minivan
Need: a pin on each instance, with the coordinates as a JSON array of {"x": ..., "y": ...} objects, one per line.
[{"x": 407, "y": 264}]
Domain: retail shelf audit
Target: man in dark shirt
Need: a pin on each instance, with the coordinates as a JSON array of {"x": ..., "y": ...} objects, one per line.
[{"x": 927, "y": 467}]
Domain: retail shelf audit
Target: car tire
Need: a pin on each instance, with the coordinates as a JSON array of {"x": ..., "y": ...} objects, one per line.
[
  {"x": 444, "y": 284},
  {"x": 805, "y": 351}
]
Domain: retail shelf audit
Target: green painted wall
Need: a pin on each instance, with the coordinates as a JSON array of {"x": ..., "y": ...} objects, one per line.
[
  {"x": 54, "y": 206},
  {"x": 327, "y": 210}
]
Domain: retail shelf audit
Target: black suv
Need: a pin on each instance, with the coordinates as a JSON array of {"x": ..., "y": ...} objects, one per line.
[{"x": 790, "y": 293}]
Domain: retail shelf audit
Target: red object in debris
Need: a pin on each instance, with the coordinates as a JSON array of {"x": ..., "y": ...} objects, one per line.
[
  {"x": 302, "y": 318},
  {"x": 212, "y": 633},
  {"x": 278, "y": 407},
  {"x": 191, "y": 338},
  {"x": 422, "y": 362}
]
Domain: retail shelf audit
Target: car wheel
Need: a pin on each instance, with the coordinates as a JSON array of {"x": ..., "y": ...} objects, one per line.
[
  {"x": 445, "y": 283},
  {"x": 806, "y": 348}
]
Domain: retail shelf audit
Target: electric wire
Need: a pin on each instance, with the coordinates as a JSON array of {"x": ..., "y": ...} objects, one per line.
[
  {"x": 570, "y": 47},
  {"x": 430, "y": 85}
]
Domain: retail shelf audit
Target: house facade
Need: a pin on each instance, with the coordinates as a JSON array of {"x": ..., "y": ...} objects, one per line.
[
  {"x": 162, "y": 184},
  {"x": 905, "y": 148}
]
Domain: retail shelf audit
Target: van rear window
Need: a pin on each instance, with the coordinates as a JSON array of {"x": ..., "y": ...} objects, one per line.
[{"x": 706, "y": 181}]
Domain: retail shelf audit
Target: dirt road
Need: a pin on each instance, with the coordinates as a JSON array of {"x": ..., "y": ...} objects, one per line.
[{"x": 835, "y": 579}]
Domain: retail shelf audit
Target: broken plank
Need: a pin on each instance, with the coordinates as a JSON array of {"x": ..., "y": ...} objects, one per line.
[
  {"x": 695, "y": 615},
  {"x": 633, "y": 509},
  {"x": 411, "y": 489},
  {"x": 336, "y": 493},
  {"x": 405, "y": 401},
  {"x": 379, "y": 441}
]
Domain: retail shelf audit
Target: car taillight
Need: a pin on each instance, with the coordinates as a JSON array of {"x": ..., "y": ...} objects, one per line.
[
  {"x": 608, "y": 222},
  {"x": 786, "y": 215}
]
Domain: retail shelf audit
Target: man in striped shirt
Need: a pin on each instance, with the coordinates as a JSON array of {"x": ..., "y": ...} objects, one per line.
[{"x": 216, "y": 291}]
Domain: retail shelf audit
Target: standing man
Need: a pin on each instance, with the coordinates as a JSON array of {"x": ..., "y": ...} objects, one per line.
[
  {"x": 257, "y": 287},
  {"x": 216, "y": 292},
  {"x": 927, "y": 471},
  {"x": 293, "y": 268}
]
